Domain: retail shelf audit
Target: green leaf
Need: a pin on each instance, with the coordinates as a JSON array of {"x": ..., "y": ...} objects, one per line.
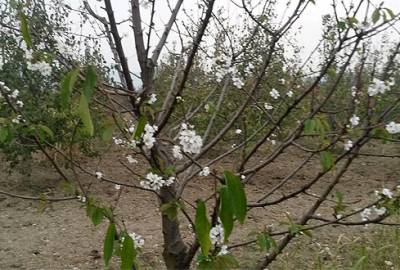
[
  {"x": 310, "y": 126},
  {"x": 225, "y": 212},
  {"x": 67, "y": 86},
  {"x": 25, "y": 30},
  {"x": 332, "y": 72},
  {"x": 97, "y": 216},
  {"x": 203, "y": 227},
  {"x": 89, "y": 83},
  {"x": 164, "y": 207},
  {"x": 320, "y": 128},
  {"x": 3, "y": 134},
  {"x": 342, "y": 25},
  {"x": 139, "y": 129},
  {"x": 107, "y": 212},
  {"x": 128, "y": 253},
  {"x": 89, "y": 208},
  {"x": 327, "y": 160},
  {"x": 272, "y": 241},
  {"x": 109, "y": 243},
  {"x": 263, "y": 242},
  {"x": 352, "y": 20},
  {"x": 237, "y": 196},
  {"x": 46, "y": 129},
  {"x": 390, "y": 12},
  {"x": 294, "y": 229},
  {"x": 85, "y": 115},
  {"x": 108, "y": 132},
  {"x": 376, "y": 15}
]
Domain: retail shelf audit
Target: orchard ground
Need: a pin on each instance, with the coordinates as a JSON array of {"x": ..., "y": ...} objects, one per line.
[{"x": 62, "y": 237}]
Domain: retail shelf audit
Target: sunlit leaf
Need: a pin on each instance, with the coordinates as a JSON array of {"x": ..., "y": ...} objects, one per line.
[{"x": 109, "y": 243}]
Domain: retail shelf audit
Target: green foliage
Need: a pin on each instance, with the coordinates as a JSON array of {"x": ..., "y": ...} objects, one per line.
[
  {"x": 237, "y": 196},
  {"x": 109, "y": 243},
  {"x": 327, "y": 160},
  {"x": 203, "y": 227},
  {"x": 128, "y": 253},
  {"x": 225, "y": 212}
]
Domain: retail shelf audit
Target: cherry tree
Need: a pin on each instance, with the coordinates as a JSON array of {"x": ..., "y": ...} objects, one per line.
[{"x": 237, "y": 85}]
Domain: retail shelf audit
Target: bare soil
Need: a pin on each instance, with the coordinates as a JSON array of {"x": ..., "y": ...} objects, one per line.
[{"x": 62, "y": 237}]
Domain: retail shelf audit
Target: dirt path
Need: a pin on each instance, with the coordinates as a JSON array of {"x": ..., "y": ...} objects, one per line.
[{"x": 64, "y": 238}]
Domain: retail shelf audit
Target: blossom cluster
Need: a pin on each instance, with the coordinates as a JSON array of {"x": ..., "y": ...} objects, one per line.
[
  {"x": 379, "y": 87},
  {"x": 155, "y": 182},
  {"x": 147, "y": 139},
  {"x": 190, "y": 141},
  {"x": 138, "y": 240},
  {"x": 34, "y": 64},
  {"x": 348, "y": 145},
  {"x": 393, "y": 128},
  {"x": 224, "y": 67}
]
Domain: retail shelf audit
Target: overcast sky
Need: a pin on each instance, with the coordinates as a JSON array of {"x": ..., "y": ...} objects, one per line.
[{"x": 311, "y": 20}]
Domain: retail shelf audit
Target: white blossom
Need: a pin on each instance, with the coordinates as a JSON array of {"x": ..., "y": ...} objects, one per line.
[
  {"x": 355, "y": 120},
  {"x": 379, "y": 87},
  {"x": 43, "y": 67},
  {"x": 176, "y": 151},
  {"x": 393, "y": 128},
  {"x": 273, "y": 142},
  {"x": 223, "y": 251},
  {"x": 153, "y": 181},
  {"x": 20, "y": 103},
  {"x": 290, "y": 93},
  {"x": 207, "y": 107},
  {"x": 205, "y": 171},
  {"x": 131, "y": 159},
  {"x": 190, "y": 142},
  {"x": 366, "y": 213},
  {"x": 98, "y": 175},
  {"x": 153, "y": 98},
  {"x": 137, "y": 240},
  {"x": 179, "y": 99},
  {"x": 274, "y": 93},
  {"x": 267, "y": 106},
  {"x": 170, "y": 181},
  {"x": 117, "y": 186},
  {"x": 348, "y": 145},
  {"x": 14, "y": 94},
  {"x": 238, "y": 131},
  {"x": 217, "y": 234},
  {"x": 381, "y": 211},
  {"x": 362, "y": 26},
  {"x": 386, "y": 192}
]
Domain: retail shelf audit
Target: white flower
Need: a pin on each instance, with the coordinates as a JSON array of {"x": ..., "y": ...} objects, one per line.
[
  {"x": 20, "y": 103},
  {"x": 14, "y": 94},
  {"x": 379, "y": 87},
  {"x": 243, "y": 177},
  {"x": 273, "y": 142},
  {"x": 191, "y": 142},
  {"x": 223, "y": 251},
  {"x": 290, "y": 93},
  {"x": 381, "y": 211},
  {"x": 154, "y": 181},
  {"x": 348, "y": 145},
  {"x": 137, "y": 240},
  {"x": 362, "y": 26},
  {"x": 148, "y": 140},
  {"x": 132, "y": 144},
  {"x": 274, "y": 93},
  {"x": 207, "y": 107},
  {"x": 153, "y": 98},
  {"x": 389, "y": 263},
  {"x": 43, "y": 67},
  {"x": 366, "y": 213},
  {"x": 393, "y": 128},
  {"x": 179, "y": 99},
  {"x": 176, "y": 151},
  {"x": 238, "y": 131},
  {"x": 131, "y": 129},
  {"x": 355, "y": 120},
  {"x": 387, "y": 193},
  {"x": 205, "y": 171},
  {"x": 98, "y": 175},
  {"x": 217, "y": 234},
  {"x": 117, "y": 186},
  {"x": 170, "y": 181},
  {"x": 83, "y": 199},
  {"x": 131, "y": 159},
  {"x": 338, "y": 216},
  {"x": 353, "y": 91},
  {"x": 118, "y": 141},
  {"x": 267, "y": 106},
  {"x": 237, "y": 82}
]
